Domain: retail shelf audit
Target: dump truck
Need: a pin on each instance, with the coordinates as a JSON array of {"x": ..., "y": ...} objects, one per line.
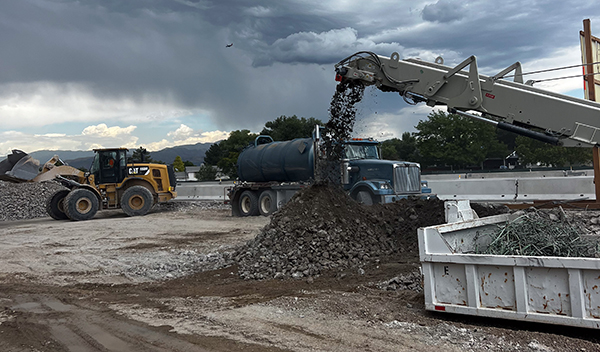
[
  {"x": 113, "y": 183},
  {"x": 270, "y": 173}
]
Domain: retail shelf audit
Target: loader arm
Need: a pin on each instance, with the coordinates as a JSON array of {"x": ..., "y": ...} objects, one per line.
[{"x": 510, "y": 105}]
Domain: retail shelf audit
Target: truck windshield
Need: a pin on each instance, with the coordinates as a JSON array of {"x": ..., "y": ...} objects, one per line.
[{"x": 361, "y": 151}]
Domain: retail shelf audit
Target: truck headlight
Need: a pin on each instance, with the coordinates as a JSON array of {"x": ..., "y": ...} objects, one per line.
[{"x": 385, "y": 185}]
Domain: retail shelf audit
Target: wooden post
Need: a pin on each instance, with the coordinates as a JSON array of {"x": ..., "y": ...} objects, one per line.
[
  {"x": 591, "y": 89},
  {"x": 589, "y": 69}
]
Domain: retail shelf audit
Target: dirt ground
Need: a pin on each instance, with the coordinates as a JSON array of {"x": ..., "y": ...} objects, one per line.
[{"x": 164, "y": 282}]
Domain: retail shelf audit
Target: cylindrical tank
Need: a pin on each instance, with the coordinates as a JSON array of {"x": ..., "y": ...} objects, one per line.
[{"x": 289, "y": 161}]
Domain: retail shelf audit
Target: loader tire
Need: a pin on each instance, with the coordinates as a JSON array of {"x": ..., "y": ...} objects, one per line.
[
  {"x": 267, "y": 203},
  {"x": 137, "y": 201},
  {"x": 248, "y": 204},
  {"x": 80, "y": 204},
  {"x": 55, "y": 205}
]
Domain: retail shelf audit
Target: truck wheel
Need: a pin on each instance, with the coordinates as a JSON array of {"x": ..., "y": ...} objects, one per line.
[
  {"x": 267, "y": 203},
  {"x": 55, "y": 205},
  {"x": 80, "y": 204},
  {"x": 137, "y": 201},
  {"x": 364, "y": 197},
  {"x": 248, "y": 204}
]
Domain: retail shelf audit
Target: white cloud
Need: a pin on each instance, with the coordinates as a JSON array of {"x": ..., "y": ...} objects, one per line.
[
  {"x": 102, "y": 136},
  {"x": 323, "y": 47},
  {"x": 96, "y": 136},
  {"x": 185, "y": 135},
  {"x": 102, "y": 130},
  {"x": 383, "y": 126},
  {"x": 562, "y": 57},
  {"x": 183, "y": 132}
]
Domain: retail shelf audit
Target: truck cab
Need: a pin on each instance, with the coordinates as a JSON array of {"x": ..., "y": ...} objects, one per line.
[{"x": 369, "y": 179}]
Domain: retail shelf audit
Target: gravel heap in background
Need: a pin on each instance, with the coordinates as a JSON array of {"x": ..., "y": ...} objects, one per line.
[
  {"x": 187, "y": 205},
  {"x": 322, "y": 228},
  {"x": 25, "y": 200}
]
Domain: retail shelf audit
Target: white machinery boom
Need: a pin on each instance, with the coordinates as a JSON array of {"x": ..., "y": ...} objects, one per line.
[{"x": 510, "y": 105}]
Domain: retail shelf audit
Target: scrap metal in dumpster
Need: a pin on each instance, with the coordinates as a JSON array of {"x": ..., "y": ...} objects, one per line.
[{"x": 555, "y": 290}]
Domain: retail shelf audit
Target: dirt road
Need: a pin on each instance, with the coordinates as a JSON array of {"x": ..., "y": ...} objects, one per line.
[{"x": 165, "y": 282}]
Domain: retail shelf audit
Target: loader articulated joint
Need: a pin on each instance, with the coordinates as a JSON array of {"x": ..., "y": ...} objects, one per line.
[{"x": 70, "y": 184}]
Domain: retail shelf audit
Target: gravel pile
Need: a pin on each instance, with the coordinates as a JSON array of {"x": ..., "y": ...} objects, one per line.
[
  {"x": 187, "y": 206},
  {"x": 322, "y": 228},
  {"x": 25, "y": 200},
  {"x": 410, "y": 281},
  {"x": 175, "y": 263},
  {"x": 463, "y": 339}
]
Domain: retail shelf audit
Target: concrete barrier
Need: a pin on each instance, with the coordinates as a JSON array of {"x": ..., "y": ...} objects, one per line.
[
  {"x": 215, "y": 191},
  {"x": 507, "y": 189},
  {"x": 514, "y": 189}
]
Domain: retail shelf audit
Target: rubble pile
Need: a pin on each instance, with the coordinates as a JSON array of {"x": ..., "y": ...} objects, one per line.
[
  {"x": 187, "y": 206},
  {"x": 25, "y": 200},
  {"x": 551, "y": 232},
  {"x": 409, "y": 281},
  {"x": 321, "y": 228}
]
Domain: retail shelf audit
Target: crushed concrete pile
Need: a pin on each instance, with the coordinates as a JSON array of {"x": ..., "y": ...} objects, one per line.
[
  {"x": 409, "y": 281},
  {"x": 189, "y": 206},
  {"x": 322, "y": 228},
  {"x": 25, "y": 200}
]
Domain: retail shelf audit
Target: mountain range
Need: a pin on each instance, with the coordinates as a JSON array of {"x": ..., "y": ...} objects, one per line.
[{"x": 83, "y": 158}]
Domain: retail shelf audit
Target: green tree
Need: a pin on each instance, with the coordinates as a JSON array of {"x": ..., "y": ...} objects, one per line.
[
  {"x": 178, "y": 164},
  {"x": 206, "y": 173},
  {"x": 456, "y": 141},
  {"x": 531, "y": 151},
  {"x": 214, "y": 153},
  {"x": 140, "y": 155},
  {"x": 224, "y": 154},
  {"x": 286, "y": 128},
  {"x": 188, "y": 163},
  {"x": 401, "y": 149}
]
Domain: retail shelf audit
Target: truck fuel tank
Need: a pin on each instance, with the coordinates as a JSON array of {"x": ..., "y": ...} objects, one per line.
[{"x": 289, "y": 161}]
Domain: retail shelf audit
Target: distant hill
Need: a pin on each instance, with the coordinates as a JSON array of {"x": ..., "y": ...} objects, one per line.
[
  {"x": 80, "y": 158},
  {"x": 65, "y": 155},
  {"x": 192, "y": 152}
]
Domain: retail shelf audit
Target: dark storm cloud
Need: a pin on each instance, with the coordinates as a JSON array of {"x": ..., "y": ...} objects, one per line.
[
  {"x": 281, "y": 60},
  {"x": 170, "y": 48},
  {"x": 499, "y": 35},
  {"x": 444, "y": 11}
]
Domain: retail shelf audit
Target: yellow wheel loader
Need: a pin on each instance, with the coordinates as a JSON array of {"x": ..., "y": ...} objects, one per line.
[{"x": 110, "y": 184}]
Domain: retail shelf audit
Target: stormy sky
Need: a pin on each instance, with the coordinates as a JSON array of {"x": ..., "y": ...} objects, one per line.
[{"x": 79, "y": 74}]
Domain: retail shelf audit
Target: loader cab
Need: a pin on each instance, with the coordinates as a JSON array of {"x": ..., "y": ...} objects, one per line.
[{"x": 109, "y": 165}]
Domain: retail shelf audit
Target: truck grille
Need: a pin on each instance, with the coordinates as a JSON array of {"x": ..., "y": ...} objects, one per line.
[{"x": 407, "y": 178}]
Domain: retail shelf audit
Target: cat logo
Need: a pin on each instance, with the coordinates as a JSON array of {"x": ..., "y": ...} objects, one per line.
[{"x": 138, "y": 170}]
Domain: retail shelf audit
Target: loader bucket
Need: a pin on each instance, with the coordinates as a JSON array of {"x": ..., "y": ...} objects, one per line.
[{"x": 19, "y": 167}]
